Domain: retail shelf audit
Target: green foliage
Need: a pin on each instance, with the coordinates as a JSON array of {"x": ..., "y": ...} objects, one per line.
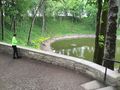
[
  {"x": 101, "y": 40},
  {"x": 74, "y": 7},
  {"x": 91, "y": 10},
  {"x": 91, "y": 14},
  {"x": 105, "y": 6},
  {"x": 17, "y": 8},
  {"x": 36, "y": 43},
  {"x": 91, "y": 2}
]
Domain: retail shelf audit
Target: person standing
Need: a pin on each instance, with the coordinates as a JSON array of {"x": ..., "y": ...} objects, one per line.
[{"x": 14, "y": 46}]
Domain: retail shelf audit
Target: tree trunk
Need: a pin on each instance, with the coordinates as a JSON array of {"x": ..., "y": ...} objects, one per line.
[
  {"x": 65, "y": 12},
  {"x": 102, "y": 33},
  {"x": 2, "y": 23},
  {"x": 97, "y": 30},
  {"x": 119, "y": 14},
  {"x": 0, "y": 20},
  {"x": 14, "y": 24},
  {"x": 110, "y": 43},
  {"x": 29, "y": 35},
  {"x": 44, "y": 17},
  {"x": 11, "y": 26}
]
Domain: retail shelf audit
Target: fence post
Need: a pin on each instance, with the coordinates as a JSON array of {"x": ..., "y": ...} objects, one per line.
[{"x": 105, "y": 74}]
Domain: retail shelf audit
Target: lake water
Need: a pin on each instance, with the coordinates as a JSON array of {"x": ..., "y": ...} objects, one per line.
[{"x": 80, "y": 48}]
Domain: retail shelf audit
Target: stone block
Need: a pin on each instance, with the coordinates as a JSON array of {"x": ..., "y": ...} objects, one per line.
[
  {"x": 107, "y": 88},
  {"x": 92, "y": 85}
]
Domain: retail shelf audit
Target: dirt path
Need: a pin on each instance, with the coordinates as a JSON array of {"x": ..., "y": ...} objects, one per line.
[{"x": 25, "y": 74}]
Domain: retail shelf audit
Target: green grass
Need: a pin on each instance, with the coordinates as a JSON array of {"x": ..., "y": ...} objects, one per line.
[
  {"x": 67, "y": 27},
  {"x": 54, "y": 28}
]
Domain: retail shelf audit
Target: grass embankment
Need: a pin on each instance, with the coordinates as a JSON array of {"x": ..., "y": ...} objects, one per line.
[{"x": 54, "y": 28}]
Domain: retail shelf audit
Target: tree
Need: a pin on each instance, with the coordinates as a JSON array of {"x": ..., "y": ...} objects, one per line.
[
  {"x": 14, "y": 16},
  {"x": 119, "y": 14},
  {"x": 43, "y": 16},
  {"x": 16, "y": 10},
  {"x": 101, "y": 33},
  {"x": 99, "y": 3},
  {"x": 110, "y": 43},
  {"x": 90, "y": 11},
  {"x": 65, "y": 6},
  {"x": 76, "y": 8},
  {"x": 2, "y": 17},
  {"x": 33, "y": 20}
]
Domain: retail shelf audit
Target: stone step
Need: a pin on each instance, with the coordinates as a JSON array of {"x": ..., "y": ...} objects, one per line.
[
  {"x": 107, "y": 88},
  {"x": 92, "y": 85}
]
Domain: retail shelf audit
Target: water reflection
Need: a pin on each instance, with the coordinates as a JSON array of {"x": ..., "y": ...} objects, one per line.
[
  {"x": 80, "y": 48},
  {"x": 76, "y": 51}
]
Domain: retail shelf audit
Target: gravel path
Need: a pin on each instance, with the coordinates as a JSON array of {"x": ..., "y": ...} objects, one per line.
[{"x": 26, "y": 74}]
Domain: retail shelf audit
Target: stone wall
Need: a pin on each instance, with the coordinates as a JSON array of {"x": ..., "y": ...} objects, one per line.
[{"x": 80, "y": 65}]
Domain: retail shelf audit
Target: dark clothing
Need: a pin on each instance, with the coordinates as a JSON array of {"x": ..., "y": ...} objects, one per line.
[{"x": 15, "y": 52}]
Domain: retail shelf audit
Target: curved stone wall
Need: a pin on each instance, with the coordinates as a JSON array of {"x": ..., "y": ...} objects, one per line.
[{"x": 80, "y": 65}]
